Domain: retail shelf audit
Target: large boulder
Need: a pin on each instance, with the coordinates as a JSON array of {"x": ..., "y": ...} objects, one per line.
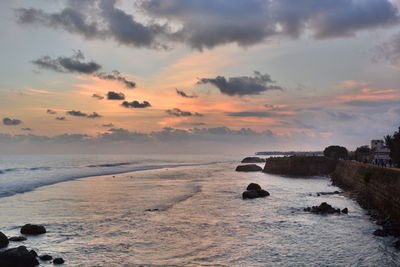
[
  {"x": 253, "y": 160},
  {"x": 3, "y": 240},
  {"x": 58, "y": 261},
  {"x": 33, "y": 229},
  {"x": 254, "y": 191},
  {"x": 248, "y": 168},
  {"x": 253, "y": 186},
  {"x": 18, "y": 257}
]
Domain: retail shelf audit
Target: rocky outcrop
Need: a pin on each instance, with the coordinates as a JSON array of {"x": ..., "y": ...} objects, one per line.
[
  {"x": 248, "y": 168},
  {"x": 253, "y": 160},
  {"x": 254, "y": 191},
  {"x": 45, "y": 257},
  {"x": 3, "y": 240},
  {"x": 300, "y": 165},
  {"x": 325, "y": 208},
  {"x": 18, "y": 257},
  {"x": 33, "y": 229}
]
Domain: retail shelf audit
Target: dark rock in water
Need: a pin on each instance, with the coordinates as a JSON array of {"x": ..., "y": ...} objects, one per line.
[
  {"x": 397, "y": 244},
  {"x": 324, "y": 208},
  {"x": 33, "y": 253},
  {"x": 254, "y": 191},
  {"x": 33, "y": 229},
  {"x": 249, "y": 194},
  {"x": 151, "y": 210},
  {"x": 253, "y": 186},
  {"x": 263, "y": 193},
  {"x": 380, "y": 232},
  {"x": 58, "y": 261},
  {"x": 18, "y": 257},
  {"x": 45, "y": 257},
  {"x": 3, "y": 240},
  {"x": 253, "y": 160},
  {"x": 17, "y": 238},
  {"x": 248, "y": 168},
  {"x": 345, "y": 211}
]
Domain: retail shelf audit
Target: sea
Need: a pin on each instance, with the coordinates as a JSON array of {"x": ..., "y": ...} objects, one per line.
[{"x": 180, "y": 210}]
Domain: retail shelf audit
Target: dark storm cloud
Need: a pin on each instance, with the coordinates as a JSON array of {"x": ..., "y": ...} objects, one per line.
[
  {"x": 260, "y": 114},
  {"x": 242, "y": 85},
  {"x": 11, "y": 122},
  {"x": 209, "y": 23},
  {"x": 97, "y": 96},
  {"x": 26, "y": 129},
  {"x": 183, "y": 94},
  {"x": 135, "y": 104},
  {"x": 180, "y": 113},
  {"x": 115, "y": 96},
  {"x": 341, "y": 116},
  {"x": 68, "y": 64},
  {"x": 61, "y": 118},
  {"x": 50, "y": 111},
  {"x": 116, "y": 76}
]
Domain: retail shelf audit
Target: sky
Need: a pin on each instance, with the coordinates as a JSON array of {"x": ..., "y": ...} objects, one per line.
[{"x": 197, "y": 76}]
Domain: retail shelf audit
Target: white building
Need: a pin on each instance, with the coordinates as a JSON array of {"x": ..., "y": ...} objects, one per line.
[{"x": 379, "y": 150}]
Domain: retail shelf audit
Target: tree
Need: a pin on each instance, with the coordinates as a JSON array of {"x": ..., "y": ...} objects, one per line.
[
  {"x": 336, "y": 152},
  {"x": 393, "y": 143},
  {"x": 362, "y": 153}
]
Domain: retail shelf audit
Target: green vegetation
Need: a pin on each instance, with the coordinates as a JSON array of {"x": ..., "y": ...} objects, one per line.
[
  {"x": 393, "y": 143},
  {"x": 362, "y": 153},
  {"x": 336, "y": 152},
  {"x": 367, "y": 177}
]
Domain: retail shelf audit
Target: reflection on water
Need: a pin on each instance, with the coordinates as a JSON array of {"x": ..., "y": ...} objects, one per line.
[{"x": 198, "y": 219}]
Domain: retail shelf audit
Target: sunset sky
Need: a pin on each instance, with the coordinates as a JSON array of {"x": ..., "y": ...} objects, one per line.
[{"x": 190, "y": 74}]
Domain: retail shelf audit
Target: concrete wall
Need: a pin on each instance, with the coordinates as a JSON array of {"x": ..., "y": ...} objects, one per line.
[{"x": 373, "y": 186}]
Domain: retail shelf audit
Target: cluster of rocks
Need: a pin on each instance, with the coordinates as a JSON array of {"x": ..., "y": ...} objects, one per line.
[
  {"x": 248, "y": 168},
  {"x": 325, "y": 208},
  {"x": 21, "y": 256},
  {"x": 253, "y": 160},
  {"x": 254, "y": 191}
]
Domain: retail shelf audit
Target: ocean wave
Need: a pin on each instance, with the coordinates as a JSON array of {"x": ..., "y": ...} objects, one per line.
[
  {"x": 112, "y": 164},
  {"x": 59, "y": 175}
]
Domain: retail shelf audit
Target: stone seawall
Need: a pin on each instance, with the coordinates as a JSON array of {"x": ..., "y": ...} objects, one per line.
[
  {"x": 300, "y": 166},
  {"x": 372, "y": 186}
]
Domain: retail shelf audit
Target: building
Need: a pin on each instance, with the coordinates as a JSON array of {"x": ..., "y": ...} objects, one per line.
[{"x": 379, "y": 150}]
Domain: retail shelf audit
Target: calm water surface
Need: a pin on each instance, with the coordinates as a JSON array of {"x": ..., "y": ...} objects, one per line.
[{"x": 198, "y": 219}]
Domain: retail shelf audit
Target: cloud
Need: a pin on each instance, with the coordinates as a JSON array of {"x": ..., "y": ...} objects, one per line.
[
  {"x": 372, "y": 103},
  {"x": 77, "y": 113},
  {"x": 116, "y": 76},
  {"x": 61, "y": 118},
  {"x": 260, "y": 114},
  {"x": 183, "y": 94},
  {"x": 243, "y": 85},
  {"x": 389, "y": 50},
  {"x": 97, "y": 96},
  {"x": 209, "y": 23},
  {"x": 108, "y": 125},
  {"x": 26, "y": 129},
  {"x": 71, "y": 64},
  {"x": 11, "y": 122},
  {"x": 180, "y": 113},
  {"x": 50, "y": 111},
  {"x": 135, "y": 104},
  {"x": 115, "y": 96},
  {"x": 95, "y": 19},
  {"x": 94, "y": 115}
]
